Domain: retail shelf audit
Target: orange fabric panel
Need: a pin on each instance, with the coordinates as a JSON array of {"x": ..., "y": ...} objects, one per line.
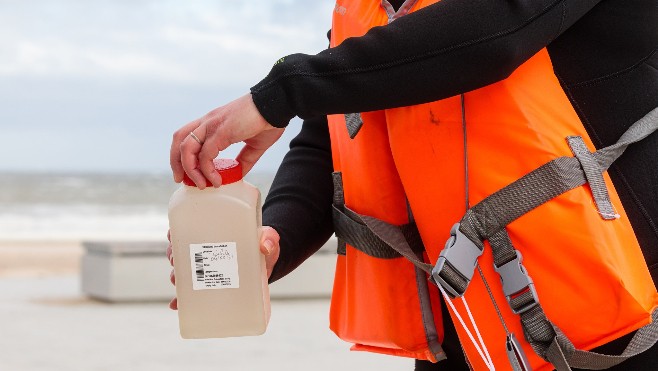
[
  {"x": 375, "y": 302},
  {"x": 354, "y": 18},
  {"x": 378, "y": 310},
  {"x": 589, "y": 273},
  {"x": 514, "y": 127}
]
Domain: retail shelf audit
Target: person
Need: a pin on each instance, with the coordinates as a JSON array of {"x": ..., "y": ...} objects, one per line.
[{"x": 602, "y": 52}]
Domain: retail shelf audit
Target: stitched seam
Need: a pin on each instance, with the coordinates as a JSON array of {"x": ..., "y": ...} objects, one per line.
[
  {"x": 564, "y": 15},
  {"x": 584, "y": 117},
  {"x": 614, "y": 74},
  {"x": 427, "y": 55},
  {"x": 651, "y": 65}
]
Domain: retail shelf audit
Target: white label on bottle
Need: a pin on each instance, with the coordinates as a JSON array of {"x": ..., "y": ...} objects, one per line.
[{"x": 214, "y": 266}]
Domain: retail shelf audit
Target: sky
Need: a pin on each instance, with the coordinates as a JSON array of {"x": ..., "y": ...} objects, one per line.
[{"x": 101, "y": 86}]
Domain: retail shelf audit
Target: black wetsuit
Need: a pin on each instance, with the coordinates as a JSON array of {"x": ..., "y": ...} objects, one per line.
[{"x": 603, "y": 53}]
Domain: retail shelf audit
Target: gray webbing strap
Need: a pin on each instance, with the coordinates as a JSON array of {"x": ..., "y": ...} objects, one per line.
[
  {"x": 520, "y": 197},
  {"x": 339, "y": 203},
  {"x": 354, "y": 123},
  {"x": 431, "y": 333},
  {"x": 542, "y": 333},
  {"x": 502, "y": 248},
  {"x": 358, "y": 236},
  {"x": 339, "y": 193},
  {"x": 394, "y": 238},
  {"x": 488, "y": 218},
  {"x": 389, "y": 241},
  {"x": 638, "y": 131},
  {"x": 543, "y": 184},
  {"x": 520, "y": 293},
  {"x": 456, "y": 280},
  {"x": 350, "y": 228},
  {"x": 518, "y": 287},
  {"x": 557, "y": 358},
  {"x": 594, "y": 175},
  {"x": 562, "y": 354},
  {"x": 546, "y": 339},
  {"x": 643, "y": 339}
]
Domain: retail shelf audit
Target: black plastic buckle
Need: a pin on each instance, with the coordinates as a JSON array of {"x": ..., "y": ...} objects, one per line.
[
  {"x": 516, "y": 281},
  {"x": 462, "y": 255}
]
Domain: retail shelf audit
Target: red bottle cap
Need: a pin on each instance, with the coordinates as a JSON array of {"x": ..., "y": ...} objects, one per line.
[{"x": 229, "y": 170}]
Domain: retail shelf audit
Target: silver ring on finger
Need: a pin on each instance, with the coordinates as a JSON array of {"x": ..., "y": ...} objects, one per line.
[{"x": 196, "y": 138}]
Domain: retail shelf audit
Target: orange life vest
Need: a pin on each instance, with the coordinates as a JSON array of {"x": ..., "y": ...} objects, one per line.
[{"x": 589, "y": 273}]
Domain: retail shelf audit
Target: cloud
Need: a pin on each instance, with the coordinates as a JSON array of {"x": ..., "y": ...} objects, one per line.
[
  {"x": 58, "y": 59},
  {"x": 101, "y": 85},
  {"x": 193, "y": 42}
]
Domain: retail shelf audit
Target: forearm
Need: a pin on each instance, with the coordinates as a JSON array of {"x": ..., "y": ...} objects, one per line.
[
  {"x": 298, "y": 205},
  {"x": 442, "y": 50}
]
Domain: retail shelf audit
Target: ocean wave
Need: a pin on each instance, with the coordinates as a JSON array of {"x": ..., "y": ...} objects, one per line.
[{"x": 89, "y": 206}]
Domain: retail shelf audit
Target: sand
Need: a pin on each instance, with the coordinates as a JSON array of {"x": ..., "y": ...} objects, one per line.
[
  {"x": 39, "y": 258},
  {"x": 49, "y": 325}
]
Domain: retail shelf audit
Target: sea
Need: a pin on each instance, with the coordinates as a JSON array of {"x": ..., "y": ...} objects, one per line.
[{"x": 86, "y": 206}]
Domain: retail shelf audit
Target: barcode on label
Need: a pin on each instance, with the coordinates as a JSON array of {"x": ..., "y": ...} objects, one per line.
[
  {"x": 200, "y": 274},
  {"x": 214, "y": 266}
]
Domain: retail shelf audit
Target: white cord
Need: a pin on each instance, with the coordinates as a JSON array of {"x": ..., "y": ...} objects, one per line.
[
  {"x": 487, "y": 360},
  {"x": 477, "y": 331}
]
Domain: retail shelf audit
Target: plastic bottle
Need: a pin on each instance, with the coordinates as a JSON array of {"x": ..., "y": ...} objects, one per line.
[{"x": 221, "y": 281}]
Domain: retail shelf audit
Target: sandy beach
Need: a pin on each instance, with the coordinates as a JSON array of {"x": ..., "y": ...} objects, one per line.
[
  {"x": 47, "y": 324},
  {"x": 40, "y": 258}
]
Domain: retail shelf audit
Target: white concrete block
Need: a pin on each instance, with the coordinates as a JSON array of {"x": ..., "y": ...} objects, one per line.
[
  {"x": 126, "y": 271},
  {"x": 139, "y": 271}
]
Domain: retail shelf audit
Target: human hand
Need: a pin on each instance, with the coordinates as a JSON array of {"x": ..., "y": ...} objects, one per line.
[
  {"x": 269, "y": 246},
  {"x": 238, "y": 121}
]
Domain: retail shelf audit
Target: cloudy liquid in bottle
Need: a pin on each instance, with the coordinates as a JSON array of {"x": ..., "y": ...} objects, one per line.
[{"x": 221, "y": 281}]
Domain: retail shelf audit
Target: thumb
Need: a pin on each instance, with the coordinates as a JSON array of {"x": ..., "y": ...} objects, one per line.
[
  {"x": 269, "y": 240},
  {"x": 269, "y": 246}
]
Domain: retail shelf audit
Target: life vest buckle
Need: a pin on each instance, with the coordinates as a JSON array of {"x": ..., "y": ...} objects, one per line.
[
  {"x": 517, "y": 282},
  {"x": 459, "y": 256}
]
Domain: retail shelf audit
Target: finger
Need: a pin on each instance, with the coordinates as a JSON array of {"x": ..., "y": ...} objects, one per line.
[
  {"x": 190, "y": 149},
  {"x": 174, "y": 152},
  {"x": 172, "y": 277},
  {"x": 174, "y": 159},
  {"x": 170, "y": 255},
  {"x": 248, "y": 157},
  {"x": 256, "y": 146},
  {"x": 173, "y": 304},
  {"x": 208, "y": 153},
  {"x": 169, "y": 249}
]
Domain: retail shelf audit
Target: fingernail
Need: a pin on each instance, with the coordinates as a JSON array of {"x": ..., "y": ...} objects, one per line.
[
  {"x": 200, "y": 182},
  {"x": 216, "y": 180},
  {"x": 268, "y": 246}
]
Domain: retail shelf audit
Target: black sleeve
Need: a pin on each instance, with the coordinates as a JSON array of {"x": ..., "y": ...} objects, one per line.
[
  {"x": 298, "y": 205},
  {"x": 439, "y": 51}
]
